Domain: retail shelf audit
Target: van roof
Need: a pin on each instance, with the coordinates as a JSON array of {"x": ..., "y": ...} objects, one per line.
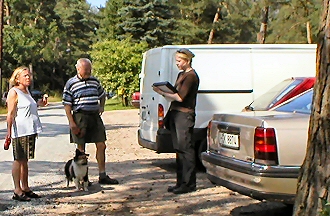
[
  {"x": 234, "y": 46},
  {"x": 242, "y": 46}
]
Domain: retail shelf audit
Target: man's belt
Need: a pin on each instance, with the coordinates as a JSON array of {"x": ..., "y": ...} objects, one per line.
[{"x": 87, "y": 112}]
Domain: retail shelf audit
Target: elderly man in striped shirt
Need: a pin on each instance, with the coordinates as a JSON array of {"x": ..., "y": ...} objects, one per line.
[{"x": 83, "y": 100}]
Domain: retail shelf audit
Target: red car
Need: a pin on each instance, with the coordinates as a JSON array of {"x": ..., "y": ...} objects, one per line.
[
  {"x": 283, "y": 91},
  {"x": 136, "y": 99}
]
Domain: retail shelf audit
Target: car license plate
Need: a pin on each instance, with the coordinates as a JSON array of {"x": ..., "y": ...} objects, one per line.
[{"x": 228, "y": 140}]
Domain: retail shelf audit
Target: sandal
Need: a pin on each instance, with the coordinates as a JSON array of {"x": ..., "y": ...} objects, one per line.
[
  {"x": 31, "y": 194},
  {"x": 21, "y": 197}
]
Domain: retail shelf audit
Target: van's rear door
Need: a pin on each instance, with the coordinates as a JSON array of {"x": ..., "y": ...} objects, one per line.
[{"x": 148, "y": 104}]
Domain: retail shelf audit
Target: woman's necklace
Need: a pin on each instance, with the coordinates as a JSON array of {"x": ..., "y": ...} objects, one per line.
[{"x": 188, "y": 70}]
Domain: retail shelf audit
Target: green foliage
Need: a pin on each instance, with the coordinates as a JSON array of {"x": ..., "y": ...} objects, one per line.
[
  {"x": 288, "y": 24},
  {"x": 238, "y": 21},
  {"x": 325, "y": 208},
  {"x": 51, "y": 35},
  {"x": 110, "y": 19},
  {"x": 194, "y": 21},
  {"x": 149, "y": 20},
  {"x": 117, "y": 64}
]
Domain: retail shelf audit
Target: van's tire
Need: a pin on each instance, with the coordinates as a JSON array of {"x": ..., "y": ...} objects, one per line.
[{"x": 201, "y": 147}]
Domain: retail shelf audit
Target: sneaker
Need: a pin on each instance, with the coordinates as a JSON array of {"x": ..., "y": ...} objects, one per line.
[{"x": 108, "y": 180}]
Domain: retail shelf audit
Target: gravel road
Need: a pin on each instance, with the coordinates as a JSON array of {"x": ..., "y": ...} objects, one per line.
[{"x": 143, "y": 176}]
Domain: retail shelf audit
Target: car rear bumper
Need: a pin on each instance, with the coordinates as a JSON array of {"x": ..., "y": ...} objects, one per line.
[
  {"x": 163, "y": 142},
  {"x": 136, "y": 103},
  {"x": 260, "y": 182}
]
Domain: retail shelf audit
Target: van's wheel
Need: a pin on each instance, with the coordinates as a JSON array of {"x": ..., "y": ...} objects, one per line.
[{"x": 201, "y": 148}]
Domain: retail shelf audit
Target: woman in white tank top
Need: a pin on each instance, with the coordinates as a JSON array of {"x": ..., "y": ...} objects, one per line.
[{"x": 23, "y": 126}]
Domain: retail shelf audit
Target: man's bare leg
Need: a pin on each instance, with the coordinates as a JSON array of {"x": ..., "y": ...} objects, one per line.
[
  {"x": 81, "y": 147},
  {"x": 100, "y": 157}
]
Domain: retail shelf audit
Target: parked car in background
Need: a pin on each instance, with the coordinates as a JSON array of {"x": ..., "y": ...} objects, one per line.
[
  {"x": 4, "y": 98},
  {"x": 37, "y": 95},
  {"x": 110, "y": 95},
  {"x": 259, "y": 154},
  {"x": 283, "y": 91},
  {"x": 136, "y": 99}
]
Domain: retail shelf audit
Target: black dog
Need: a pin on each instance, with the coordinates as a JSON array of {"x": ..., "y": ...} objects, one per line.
[{"x": 76, "y": 170}]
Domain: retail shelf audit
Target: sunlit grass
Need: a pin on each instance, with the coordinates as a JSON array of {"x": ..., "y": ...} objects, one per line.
[
  {"x": 55, "y": 98},
  {"x": 110, "y": 104},
  {"x": 115, "y": 104},
  {"x": 3, "y": 109}
]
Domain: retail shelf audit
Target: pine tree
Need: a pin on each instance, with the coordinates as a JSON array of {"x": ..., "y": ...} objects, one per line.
[{"x": 148, "y": 20}]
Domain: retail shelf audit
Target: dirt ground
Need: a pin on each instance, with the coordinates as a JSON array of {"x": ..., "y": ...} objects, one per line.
[{"x": 144, "y": 177}]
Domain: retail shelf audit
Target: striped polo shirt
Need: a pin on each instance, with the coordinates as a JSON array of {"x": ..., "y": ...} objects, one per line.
[{"x": 83, "y": 94}]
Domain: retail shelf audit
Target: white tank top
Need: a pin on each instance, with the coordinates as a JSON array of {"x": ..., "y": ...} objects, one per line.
[{"x": 26, "y": 121}]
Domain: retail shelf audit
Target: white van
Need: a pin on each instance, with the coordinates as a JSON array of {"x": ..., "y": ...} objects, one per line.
[{"x": 231, "y": 77}]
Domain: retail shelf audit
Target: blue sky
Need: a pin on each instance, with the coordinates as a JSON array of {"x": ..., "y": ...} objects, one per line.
[{"x": 97, "y": 2}]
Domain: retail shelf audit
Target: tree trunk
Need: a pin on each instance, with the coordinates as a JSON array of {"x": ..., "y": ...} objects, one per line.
[
  {"x": 216, "y": 18},
  {"x": 314, "y": 179},
  {"x": 261, "y": 36},
  {"x": 309, "y": 34},
  {"x": 7, "y": 9},
  {"x": 1, "y": 43}
]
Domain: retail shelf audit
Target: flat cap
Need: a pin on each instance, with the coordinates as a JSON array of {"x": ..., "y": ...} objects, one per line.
[{"x": 187, "y": 52}]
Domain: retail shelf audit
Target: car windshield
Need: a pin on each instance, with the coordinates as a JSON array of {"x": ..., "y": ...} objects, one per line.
[
  {"x": 268, "y": 99},
  {"x": 301, "y": 104}
]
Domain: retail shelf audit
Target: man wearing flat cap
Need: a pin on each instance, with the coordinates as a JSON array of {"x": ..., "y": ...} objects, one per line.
[{"x": 182, "y": 121}]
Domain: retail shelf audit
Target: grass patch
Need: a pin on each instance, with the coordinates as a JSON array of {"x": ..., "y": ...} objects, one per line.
[
  {"x": 55, "y": 98},
  {"x": 3, "y": 110},
  {"x": 110, "y": 104},
  {"x": 115, "y": 104}
]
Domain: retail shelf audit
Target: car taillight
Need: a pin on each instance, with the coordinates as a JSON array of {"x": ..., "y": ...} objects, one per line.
[
  {"x": 265, "y": 148},
  {"x": 136, "y": 96},
  {"x": 160, "y": 116}
]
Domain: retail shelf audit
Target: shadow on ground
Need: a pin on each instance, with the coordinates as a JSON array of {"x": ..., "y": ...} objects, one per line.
[{"x": 144, "y": 181}]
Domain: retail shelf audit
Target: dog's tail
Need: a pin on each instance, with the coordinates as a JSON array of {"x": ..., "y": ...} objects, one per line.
[{"x": 67, "y": 170}]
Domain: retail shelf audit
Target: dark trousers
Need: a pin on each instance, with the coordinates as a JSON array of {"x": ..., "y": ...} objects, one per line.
[{"x": 181, "y": 127}]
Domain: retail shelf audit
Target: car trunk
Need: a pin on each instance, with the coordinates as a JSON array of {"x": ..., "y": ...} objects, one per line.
[{"x": 233, "y": 135}]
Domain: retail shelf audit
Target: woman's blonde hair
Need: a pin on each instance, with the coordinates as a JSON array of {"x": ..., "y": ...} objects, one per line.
[{"x": 13, "y": 81}]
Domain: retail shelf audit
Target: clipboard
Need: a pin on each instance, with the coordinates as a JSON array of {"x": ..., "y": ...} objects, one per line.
[{"x": 165, "y": 87}]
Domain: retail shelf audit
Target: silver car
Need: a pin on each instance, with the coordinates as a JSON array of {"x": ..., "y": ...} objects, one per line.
[{"x": 259, "y": 154}]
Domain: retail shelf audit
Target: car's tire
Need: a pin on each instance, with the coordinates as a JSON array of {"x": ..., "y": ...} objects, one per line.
[{"x": 201, "y": 147}]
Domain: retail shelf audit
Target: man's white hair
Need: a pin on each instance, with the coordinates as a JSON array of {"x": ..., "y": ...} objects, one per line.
[{"x": 86, "y": 60}]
